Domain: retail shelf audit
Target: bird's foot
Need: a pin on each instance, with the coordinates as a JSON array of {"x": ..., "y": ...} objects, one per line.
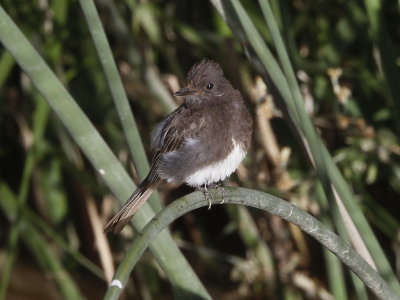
[
  {"x": 222, "y": 192},
  {"x": 218, "y": 186},
  {"x": 206, "y": 193},
  {"x": 220, "y": 189}
]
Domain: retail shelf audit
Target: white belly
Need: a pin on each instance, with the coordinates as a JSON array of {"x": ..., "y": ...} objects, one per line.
[{"x": 219, "y": 170}]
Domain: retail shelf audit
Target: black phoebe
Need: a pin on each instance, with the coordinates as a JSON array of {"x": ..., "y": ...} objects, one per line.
[{"x": 200, "y": 143}]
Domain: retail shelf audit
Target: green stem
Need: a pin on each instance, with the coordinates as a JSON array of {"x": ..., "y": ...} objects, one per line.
[
  {"x": 256, "y": 199},
  {"x": 116, "y": 88}
]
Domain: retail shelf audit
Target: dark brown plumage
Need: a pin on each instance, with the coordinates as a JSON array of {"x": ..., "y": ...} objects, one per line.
[{"x": 200, "y": 143}]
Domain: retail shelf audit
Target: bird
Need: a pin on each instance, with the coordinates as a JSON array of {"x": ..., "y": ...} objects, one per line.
[{"x": 200, "y": 143}]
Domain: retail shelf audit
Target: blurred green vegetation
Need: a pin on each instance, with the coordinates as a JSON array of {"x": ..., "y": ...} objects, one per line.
[{"x": 346, "y": 55}]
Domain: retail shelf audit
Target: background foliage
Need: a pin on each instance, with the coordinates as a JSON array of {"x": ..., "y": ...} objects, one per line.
[{"x": 346, "y": 55}]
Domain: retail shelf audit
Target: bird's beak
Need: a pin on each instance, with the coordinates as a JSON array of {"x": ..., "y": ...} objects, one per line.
[{"x": 184, "y": 92}]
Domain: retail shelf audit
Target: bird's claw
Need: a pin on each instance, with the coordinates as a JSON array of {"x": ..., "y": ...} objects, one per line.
[
  {"x": 207, "y": 194},
  {"x": 222, "y": 192},
  {"x": 208, "y": 197}
]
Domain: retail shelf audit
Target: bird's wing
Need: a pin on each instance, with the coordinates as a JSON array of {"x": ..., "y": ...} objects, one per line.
[
  {"x": 172, "y": 134},
  {"x": 168, "y": 136}
]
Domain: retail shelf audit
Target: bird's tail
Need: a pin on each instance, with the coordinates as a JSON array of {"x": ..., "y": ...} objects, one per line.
[{"x": 131, "y": 206}]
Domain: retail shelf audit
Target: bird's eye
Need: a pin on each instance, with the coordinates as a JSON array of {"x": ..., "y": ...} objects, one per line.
[{"x": 209, "y": 86}]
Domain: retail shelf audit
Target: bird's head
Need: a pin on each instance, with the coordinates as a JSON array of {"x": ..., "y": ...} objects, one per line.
[{"x": 205, "y": 80}]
